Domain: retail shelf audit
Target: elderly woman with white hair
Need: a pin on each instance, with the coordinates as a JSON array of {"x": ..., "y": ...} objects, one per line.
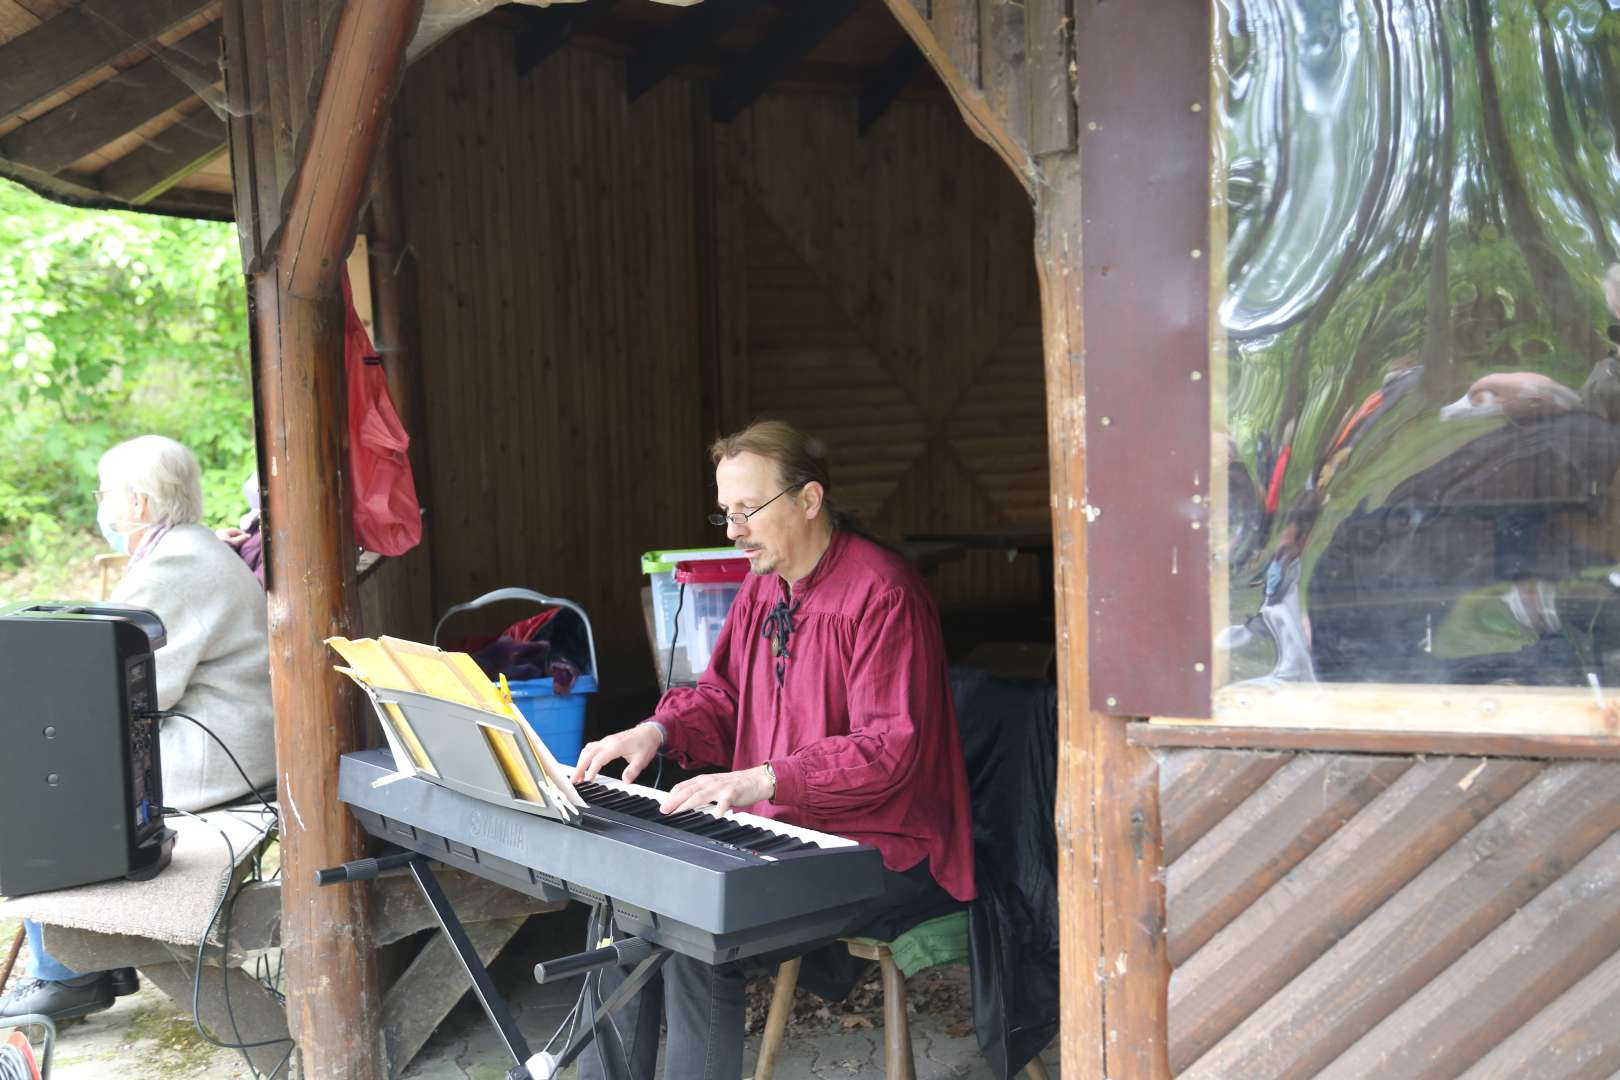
[{"x": 213, "y": 668}]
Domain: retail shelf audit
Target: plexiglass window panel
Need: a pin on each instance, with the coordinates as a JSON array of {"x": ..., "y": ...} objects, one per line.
[{"x": 1417, "y": 205}]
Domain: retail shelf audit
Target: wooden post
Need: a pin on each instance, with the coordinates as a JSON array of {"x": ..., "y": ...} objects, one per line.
[
  {"x": 1135, "y": 958},
  {"x": 361, "y": 77},
  {"x": 1057, "y": 256},
  {"x": 1115, "y": 971},
  {"x": 332, "y": 998}
]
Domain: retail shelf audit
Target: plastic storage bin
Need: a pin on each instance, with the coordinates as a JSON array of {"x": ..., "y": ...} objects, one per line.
[
  {"x": 559, "y": 719},
  {"x": 659, "y": 566},
  {"x": 710, "y": 589}
]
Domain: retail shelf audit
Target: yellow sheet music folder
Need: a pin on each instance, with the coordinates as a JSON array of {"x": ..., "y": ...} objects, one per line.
[{"x": 385, "y": 666}]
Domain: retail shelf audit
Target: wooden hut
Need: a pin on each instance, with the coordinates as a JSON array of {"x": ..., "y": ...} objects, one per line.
[{"x": 601, "y": 233}]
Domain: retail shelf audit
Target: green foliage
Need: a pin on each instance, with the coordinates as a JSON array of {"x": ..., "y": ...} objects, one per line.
[{"x": 113, "y": 325}]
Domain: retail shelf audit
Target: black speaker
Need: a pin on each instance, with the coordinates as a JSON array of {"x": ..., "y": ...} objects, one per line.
[{"x": 80, "y": 777}]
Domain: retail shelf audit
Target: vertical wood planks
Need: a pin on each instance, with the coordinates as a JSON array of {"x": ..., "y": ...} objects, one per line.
[
  {"x": 1049, "y": 26},
  {"x": 249, "y": 56},
  {"x": 274, "y": 108},
  {"x": 237, "y": 61},
  {"x": 556, "y": 232},
  {"x": 956, "y": 24},
  {"x": 1003, "y": 64}
]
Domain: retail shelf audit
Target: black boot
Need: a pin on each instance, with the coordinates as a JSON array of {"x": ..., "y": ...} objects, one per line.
[
  {"x": 123, "y": 981},
  {"x": 80, "y": 996}
]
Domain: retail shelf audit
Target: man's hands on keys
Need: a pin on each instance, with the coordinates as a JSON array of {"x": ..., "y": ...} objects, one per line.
[
  {"x": 637, "y": 746},
  {"x": 725, "y": 790}
]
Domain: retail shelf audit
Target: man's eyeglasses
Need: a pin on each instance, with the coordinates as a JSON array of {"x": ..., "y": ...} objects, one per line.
[{"x": 741, "y": 517}]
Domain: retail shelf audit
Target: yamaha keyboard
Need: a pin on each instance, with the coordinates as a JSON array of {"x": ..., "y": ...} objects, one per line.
[{"x": 713, "y": 888}]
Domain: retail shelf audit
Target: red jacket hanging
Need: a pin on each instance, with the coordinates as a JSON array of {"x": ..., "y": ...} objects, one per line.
[{"x": 382, "y": 492}]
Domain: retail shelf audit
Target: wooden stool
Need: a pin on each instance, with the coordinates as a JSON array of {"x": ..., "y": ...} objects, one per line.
[
  {"x": 897, "y": 1063},
  {"x": 112, "y": 565}
]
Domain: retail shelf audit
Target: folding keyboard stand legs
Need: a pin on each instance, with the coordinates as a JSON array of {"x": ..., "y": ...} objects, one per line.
[
  {"x": 548, "y": 1066},
  {"x": 541, "y": 1066},
  {"x": 494, "y": 1005}
]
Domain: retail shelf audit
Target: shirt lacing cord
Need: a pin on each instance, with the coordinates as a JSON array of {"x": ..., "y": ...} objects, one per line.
[{"x": 777, "y": 629}]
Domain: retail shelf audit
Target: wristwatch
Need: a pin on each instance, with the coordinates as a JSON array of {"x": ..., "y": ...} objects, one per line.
[{"x": 771, "y": 773}]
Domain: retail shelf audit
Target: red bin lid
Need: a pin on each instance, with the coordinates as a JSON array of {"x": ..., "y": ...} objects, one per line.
[{"x": 711, "y": 571}]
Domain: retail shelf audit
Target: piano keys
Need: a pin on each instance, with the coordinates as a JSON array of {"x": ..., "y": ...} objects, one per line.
[{"x": 716, "y": 888}]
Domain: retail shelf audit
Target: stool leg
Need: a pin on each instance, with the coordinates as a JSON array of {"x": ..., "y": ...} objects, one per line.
[
  {"x": 1035, "y": 1070},
  {"x": 770, "y": 1043},
  {"x": 897, "y": 1064}
]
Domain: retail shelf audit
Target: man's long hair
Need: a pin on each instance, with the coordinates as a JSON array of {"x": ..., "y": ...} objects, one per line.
[{"x": 800, "y": 459}]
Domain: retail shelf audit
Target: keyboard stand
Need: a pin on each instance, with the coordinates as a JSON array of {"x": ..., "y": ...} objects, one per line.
[
  {"x": 541, "y": 1066},
  {"x": 638, "y": 978}
]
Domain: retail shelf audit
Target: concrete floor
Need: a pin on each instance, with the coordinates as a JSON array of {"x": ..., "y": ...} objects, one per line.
[
  {"x": 466, "y": 1047},
  {"x": 148, "y": 1035}
]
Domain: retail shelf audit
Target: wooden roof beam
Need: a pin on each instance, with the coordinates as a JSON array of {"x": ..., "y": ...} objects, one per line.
[
  {"x": 73, "y": 44},
  {"x": 683, "y": 42},
  {"x": 118, "y": 106},
  {"x": 166, "y": 159},
  {"x": 886, "y": 84},
  {"x": 77, "y": 189},
  {"x": 545, "y": 30},
  {"x": 361, "y": 77},
  {"x": 794, "y": 37}
]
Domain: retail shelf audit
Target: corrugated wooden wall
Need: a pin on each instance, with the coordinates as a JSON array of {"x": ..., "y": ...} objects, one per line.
[
  {"x": 1355, "y": 915},
  {"x": 556, "y": 248},
  {"x": 881, "y": 291}
]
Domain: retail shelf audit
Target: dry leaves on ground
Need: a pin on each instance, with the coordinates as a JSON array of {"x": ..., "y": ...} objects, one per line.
[{"x": 937, "y": 992}]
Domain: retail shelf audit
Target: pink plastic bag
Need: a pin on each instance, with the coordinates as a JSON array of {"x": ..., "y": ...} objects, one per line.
[{"x": 387, "y": 516}]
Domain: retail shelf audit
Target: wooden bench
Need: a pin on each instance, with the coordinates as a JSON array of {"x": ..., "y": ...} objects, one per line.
[{"x": 426, "y": 988}]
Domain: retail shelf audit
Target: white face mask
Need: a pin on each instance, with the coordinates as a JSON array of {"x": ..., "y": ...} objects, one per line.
[
  {"x": 116, "y": 530},
  {"x": 117, "y": 540}
]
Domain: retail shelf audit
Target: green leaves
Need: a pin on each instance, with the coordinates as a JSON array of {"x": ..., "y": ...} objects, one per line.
[{"x": 113, "y": 325}]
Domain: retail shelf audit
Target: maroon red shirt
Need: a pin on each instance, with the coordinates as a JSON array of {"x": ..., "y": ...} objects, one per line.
[{"x": 855, "y": 715}]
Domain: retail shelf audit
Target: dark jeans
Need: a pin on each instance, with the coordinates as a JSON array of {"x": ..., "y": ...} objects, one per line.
[{"x": 704, "y": 1005}]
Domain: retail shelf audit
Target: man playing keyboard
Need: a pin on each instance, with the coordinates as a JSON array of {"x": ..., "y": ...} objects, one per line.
[{"x": 828, "y": 698}]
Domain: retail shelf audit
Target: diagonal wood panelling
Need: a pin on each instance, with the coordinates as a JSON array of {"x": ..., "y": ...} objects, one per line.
[
  {"x": 1264, "y": 838},
  {"x": 1503, "y": 981},
  {"x": 1198, "y": 790},
  {"x": 998, "y": 426},
  {"x": 1346, "y": 916},
  {"x": 809, "y": 364},
  {"x": 902, "y": 325},
  {"x": 1576, "y": 1027}
]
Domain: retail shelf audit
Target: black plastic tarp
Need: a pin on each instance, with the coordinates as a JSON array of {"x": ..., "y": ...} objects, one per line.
[{"x": 1009, "y": 742}]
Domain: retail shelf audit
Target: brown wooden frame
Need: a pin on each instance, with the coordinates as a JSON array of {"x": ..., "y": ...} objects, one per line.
[{"x": 1485, "y": 744}]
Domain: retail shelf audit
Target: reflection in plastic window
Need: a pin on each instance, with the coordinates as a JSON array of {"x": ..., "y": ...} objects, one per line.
[{"x": 1418, "y": 422}]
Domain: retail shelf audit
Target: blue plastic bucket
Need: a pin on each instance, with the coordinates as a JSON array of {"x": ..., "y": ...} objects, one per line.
[{"x": 559, "y": 719}]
